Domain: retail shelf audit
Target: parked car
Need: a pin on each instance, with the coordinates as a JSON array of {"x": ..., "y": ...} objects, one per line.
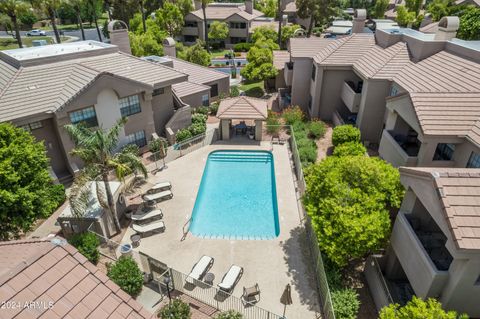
[{"x": 36, "y": 32}]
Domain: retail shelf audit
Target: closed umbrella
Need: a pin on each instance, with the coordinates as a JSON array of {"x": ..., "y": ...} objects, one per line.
[{"x": 286, "y": 298}]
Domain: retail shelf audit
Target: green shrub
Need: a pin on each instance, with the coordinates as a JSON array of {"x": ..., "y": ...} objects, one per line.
[
  {"x": 197, "y": 128},
  {"x": 308, "y": 154},
  {"x": 305, "y": 142},
  {"x": 214, "y": 108},
  {"x": 87, "y": 244},
  {"x": 345, "y": 133},
  {"x": 350, "y": 149},
  {"x": 177, "y": 309},
  {"x": 231, "y": 314},
  {"x": 234, "y": 91},
  {"x": 242, "y": 47},
  {"x": 155, "y": 145},
  {"x": 345, "y": 303},
  {"x": 202, "y": 110},
  {"x": 182, "y": 135},
  {"x": 199, "y": 118},
  {"x": 316, "y": 129},
  {"x": 292, "y": 115},
  {"x": 273, "y": 125},
  {"x": 131, "y": 149},
  {"x": 126, "y": 274}
]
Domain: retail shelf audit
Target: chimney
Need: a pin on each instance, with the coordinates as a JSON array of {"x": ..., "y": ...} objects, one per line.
[
  {"x": 359, "y": 20},
  {"x": 197, "y": 4},
  {"x": 249, "y": 6},
  {"x": 447, "y": 28},
  {"x": 118, "y": 32},
  {"x": 169, "y": 47}
]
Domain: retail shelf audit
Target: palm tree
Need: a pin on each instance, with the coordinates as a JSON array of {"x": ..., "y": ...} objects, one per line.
[
  {"x": 77, "y": 6},
  {"x": 13, "y": 8},
  {"x": 97, "y": 149},
  {"x": 205, "y": 22},
  {"x": 142, "y": 11},
  {"x": 280, "y": 17},
  {"x": 50, "y": 8},
  {"x": 93, "y": 6}
]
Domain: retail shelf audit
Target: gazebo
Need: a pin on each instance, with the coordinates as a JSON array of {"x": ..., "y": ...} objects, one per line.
[{"x": 242, "y": 108}]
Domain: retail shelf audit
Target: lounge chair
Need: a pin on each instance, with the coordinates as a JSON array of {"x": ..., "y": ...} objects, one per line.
[
  {"x": 250, "y": 294},
  {"x": 200, "y": 269},
  {"x": 163, "y": 186},
  {"x": 148, "y": 215},
  {"x": 144, "y": 230},
  {"x": 231, "y": 278},
  {"x": 158, "y": 196}
]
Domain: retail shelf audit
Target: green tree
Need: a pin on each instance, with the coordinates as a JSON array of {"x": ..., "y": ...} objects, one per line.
[
  {"x": 197, "y": 54},
  {"x": 419, "y": 309},
  {"x": 414, "y": 5},
  {"x": 438, "y": 9},
  {"x": 218, "y": 31},
  {"x": 87, "y": 244},
  {"x": 14, "y": 9},
  {"x": 469, "y": 24},
  {"x": 96, "y": 148},
  {"x": 77, "y": 7},
  {"x": 27, "y": 191},
  {"x": 267, "y": 7},
  {"x": 94, "y": 10},
  {"x": 260, "y": 65},
  {"x": 28, "y": 18},
  {"x": 142, "y": 14},
  {"x": 350, "y": 149},
  {"x": 344, "y": 134},
  {"x": 348, "y": 199},
  {"x": 307, "y": 9},
  {"x": 126, "y": 274},
  {"x": 177, "y": 309},
  {"x": 345, "y": 303},
  {"x": 231, "y": 314},
  {"x": 205, "y": 23},
  {"x": 170, "y": 18},
  {"x": 380, "y": 8},
  {"x": 6, "y": 23},
  {"x": 405, "y": 18},
  {"x": 264, "y": 33},
  {"x": 185, "y": 6},
  {"x": 288, "y": 32},
  {"x": 49, "y": 7}
]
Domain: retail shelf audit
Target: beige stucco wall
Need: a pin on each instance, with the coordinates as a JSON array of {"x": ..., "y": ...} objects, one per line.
[
  {"x": 302, "y": 69},
  {"x": 195, "y": 99},
  {"x": 162, "y": 106},
  {"x": 223, "y": 88}
]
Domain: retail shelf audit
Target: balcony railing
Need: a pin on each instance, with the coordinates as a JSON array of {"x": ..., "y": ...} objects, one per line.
[
  {"x": 391, "y": 151},
  {"x": 351, "y": 98}
]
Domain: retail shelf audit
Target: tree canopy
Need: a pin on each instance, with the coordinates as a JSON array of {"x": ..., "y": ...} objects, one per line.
[
  {"x": 405, "y": 17},
  {"x": 348, "y": 199},
  {"x": 268, "y": 7},
  {"x": 27, "y": 192},
  {"x": 264, "y": 33},
  {"x": 469, "y": 24},
  {"x": 218, "y": 30},
  {"x": 170, "y": 19},
  {"x": 260, "y": 64},
  {"x": 380, "y": 8},
  {"x": 197, "y": 54},
  {"x": 419, "y": 309}
]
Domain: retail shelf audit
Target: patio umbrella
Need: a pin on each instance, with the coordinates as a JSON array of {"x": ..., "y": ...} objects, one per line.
[{"x": 286, "y": 298}]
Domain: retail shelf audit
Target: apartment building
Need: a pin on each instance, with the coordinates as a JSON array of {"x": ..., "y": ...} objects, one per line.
[
  {"x": 414, "y": 96},
  {"x": 434, "y": 248},
  {"x": 238, "y": 16}
]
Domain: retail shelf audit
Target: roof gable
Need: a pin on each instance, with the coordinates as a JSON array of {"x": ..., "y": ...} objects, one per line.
[{"x": 243, "y": 107}]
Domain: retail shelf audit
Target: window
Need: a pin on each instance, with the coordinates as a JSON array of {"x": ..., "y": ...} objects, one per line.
[
  {"x": 474, "y": 161},
  {"x": 158, "y": 91},
  {"x": 86, "y": 116},
  {"x": 191, "y": 24},
  {"x": 189, "y": 38},
  {"x": 129, "y": 105},
  {"x": 32, "y": 126},
  {"x": 137, "y": 138},
  {"x": 314, "y": 71},
  {"x": 235, "y": 40},
  {"x": 214, "y": 90},
  {"x": 238, "y": 25},
  {"x": 393, "y": 90},
  {"x": 444, "y": 152},
  {"x": 205, "y": 100}
]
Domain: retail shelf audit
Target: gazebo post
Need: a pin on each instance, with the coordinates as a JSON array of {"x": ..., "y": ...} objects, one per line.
[
  {"x": 258, "y": 130},
  {"x": 225, "y": 129}
]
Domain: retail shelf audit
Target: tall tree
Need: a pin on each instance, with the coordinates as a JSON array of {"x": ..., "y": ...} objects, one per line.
[
  {"x": 50, "y": 7},
  {"x": 469, "y": 24},
  {"x": 280, "y": 18},
  {"x": 170, "y": 19},
  {"x": 97, "y": 149},
  {"x": 197, "y": 54},
  {"x": 77, "y": 6},
  {"x": 94, "y": 7},
  {"x": 205, "y": 22},
  {"x": 306, "y": 9},
  {"x": 142, "y": 12},
  {"x": 218, "y": 31},
  {"x": 13, "y": 9},
  {"x": 379, "y": 8},
  {"x": 414, "y": 6}
]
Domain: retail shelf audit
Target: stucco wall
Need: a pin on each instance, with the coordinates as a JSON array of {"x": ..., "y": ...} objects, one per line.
[
  {"x": 302, "y": 69},
  {"x": 370, "y": 119},
  {"x": 195, "y": 99},
  {"x": 162, "y": 106}
]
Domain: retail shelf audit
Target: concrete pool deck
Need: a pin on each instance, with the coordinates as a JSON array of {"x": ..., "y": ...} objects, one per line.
[{"x": 270, "y": 263}]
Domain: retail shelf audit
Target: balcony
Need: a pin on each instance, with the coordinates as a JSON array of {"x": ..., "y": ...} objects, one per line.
[
  {"x": 398, "y": 150},
  {"x": 190, "y": 31},
  {"x": 421, "y": 256},
  {"x": 288, "y": 73},
  {"x": 351, "y": 96}
]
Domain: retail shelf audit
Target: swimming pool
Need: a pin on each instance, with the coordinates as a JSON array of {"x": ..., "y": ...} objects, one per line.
[{"x": 237, "y": 198}]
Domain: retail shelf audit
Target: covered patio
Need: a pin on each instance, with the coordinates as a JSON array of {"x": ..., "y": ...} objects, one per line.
[{"x": 244, "y": 110}]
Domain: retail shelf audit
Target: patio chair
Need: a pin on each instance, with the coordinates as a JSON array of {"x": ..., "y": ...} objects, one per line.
[
  {"x": 200, "y": 269},
  {"x": 149, "y": 229},
  {"x": 146, "y": 216},
  {"x": 231, "y": 278},
  {"x": 162, "y": 186},
  {"x": 158, "y": 196},
  {"x": 250, "y": 294}
]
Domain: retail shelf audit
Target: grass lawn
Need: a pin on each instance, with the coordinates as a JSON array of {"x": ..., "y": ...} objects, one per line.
[
  {"x": 219, "y": 53},
  {"x": 11, "y": 43},
  {"x": 253, "y": 89}
]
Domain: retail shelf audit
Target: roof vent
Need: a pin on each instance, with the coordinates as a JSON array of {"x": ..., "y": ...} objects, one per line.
[
  {"x": 169, "y": 47},
  {"x": 56, "y": 241},
  {"x": 447, "y": 28},
  {"x": 359, "y": 20}
]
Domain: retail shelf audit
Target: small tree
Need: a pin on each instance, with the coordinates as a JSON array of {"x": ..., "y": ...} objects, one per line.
[
  {"x": 87, "y": 244},
  {"x": 288, "y": 32},
  {"x": 380, "y": 8},
  {"x": 469, "y": 24},
  {"x": 345, "y": 133},
  {"x": 316, "y": 129},
  {"x": 350, "y": 149},
  {"x": 267, "y": 7},
  {"x": 438, "y": 9},
  {"x": 260, "y": 65},
  {"x": 177, "y": 309},
  {"x": 419, "y": 309},
  {"x": 292, "y": 115},
  {"x": 345, "y": 303},
  {"x": 264, "y": 33},
  {"x": 197, "y": 54},
  {"x": 170, "y": 18},
  {"x": 27, "y": 191},
  {"x": 413, "y": 5},
  {"x": 405, "y": 18},
  {"x": 126, "y": 274},
  {"x": 231, "y": 314},
  {"x": 218, "y": 31}
]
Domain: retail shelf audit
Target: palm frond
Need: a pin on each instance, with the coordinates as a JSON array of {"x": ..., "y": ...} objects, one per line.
[
  {"x": 133, "y": 161},
  {"x": 111, "y": 140},
  {"x": 101, "y": 194},
  {"x": 79, "y": 195}
]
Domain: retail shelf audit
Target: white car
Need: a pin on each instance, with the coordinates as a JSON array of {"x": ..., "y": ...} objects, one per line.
[{"x": 36, "y": 32}]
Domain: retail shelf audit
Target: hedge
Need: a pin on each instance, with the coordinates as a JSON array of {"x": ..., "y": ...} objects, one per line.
[{"x": 345, "y": 133}]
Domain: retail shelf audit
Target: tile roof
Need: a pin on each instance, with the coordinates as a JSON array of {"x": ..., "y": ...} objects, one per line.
[
  {"x": 242, "y": 108},
  {"x": 308, "y": 47},
  {"x": 197, "y": 73},
  {"x": 44, "y": 272},
  {"x": 458, "y": 189},
  {"x": 430, "y": 28},
  {"x": 187, "y": 88},
  {"x": 221, "y": 12},
  {"x": 6, "y": 73},
  {"x": 280, "y": 57},
  {"x": 47, "y": 87}
]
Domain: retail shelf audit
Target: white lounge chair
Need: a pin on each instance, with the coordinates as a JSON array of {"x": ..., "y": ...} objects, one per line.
[
  {"x": 200, "y": 269},
  {"x": 158, "y": 196},
  {"x": 151, "y": 228},
  {"x": 163, "y": 186},
  {"x": 144, "y": 216},
  {"x": 231, "y": 278}
]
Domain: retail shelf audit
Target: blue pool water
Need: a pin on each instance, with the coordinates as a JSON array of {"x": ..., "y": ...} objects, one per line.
[{"x": 237, "y": 197}]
